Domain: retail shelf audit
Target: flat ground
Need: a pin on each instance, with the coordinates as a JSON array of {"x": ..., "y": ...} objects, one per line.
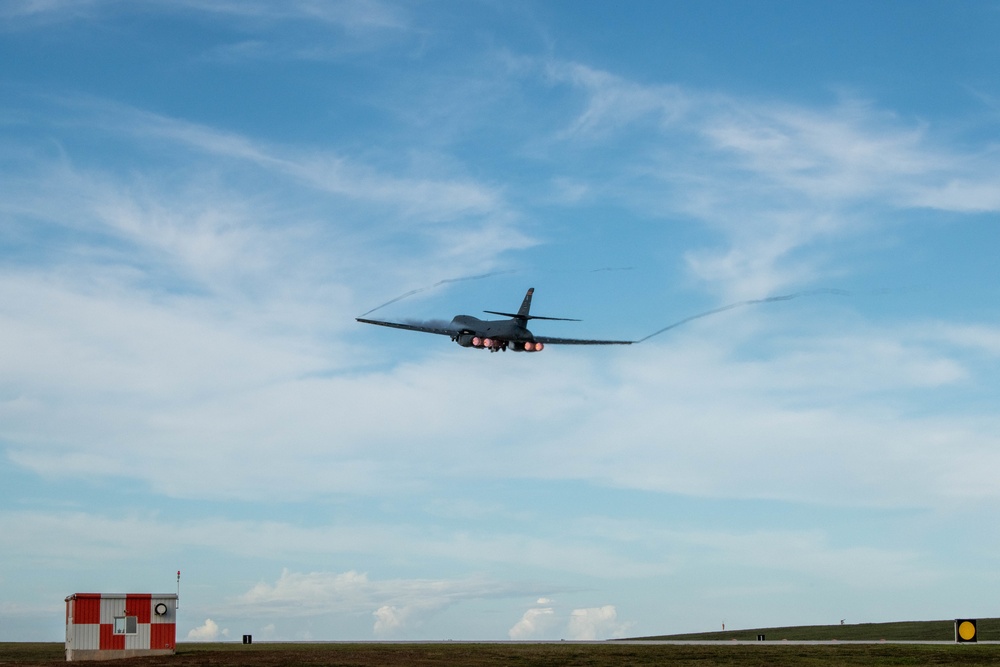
[{"x": 536, "y": 655}]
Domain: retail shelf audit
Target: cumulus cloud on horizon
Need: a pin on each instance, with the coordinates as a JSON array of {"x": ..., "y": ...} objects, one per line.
[
  {"x": 208, "y": 631},
  {"x": 590, "y": 623}
]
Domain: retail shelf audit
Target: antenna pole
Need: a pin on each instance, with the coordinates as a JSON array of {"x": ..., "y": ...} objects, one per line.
[{"x": 178, "y": 606}]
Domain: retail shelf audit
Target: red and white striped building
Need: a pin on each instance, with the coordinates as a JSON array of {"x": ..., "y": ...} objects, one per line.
[{"x": 105, "y": 626}]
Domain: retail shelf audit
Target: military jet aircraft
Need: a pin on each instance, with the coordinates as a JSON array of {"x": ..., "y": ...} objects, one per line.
[{"x": 497, "y": 335}]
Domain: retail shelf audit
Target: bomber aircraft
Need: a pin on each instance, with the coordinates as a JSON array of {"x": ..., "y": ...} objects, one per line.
[{"x": 497, "y": 335}]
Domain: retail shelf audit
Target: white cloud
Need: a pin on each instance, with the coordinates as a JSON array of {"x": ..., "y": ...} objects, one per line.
[
  {"x": 614, "y": 102},
  {"x": 779, "y": 180},
  {"x": 546, "y": 622},
  {"x": 398, "y": 605},
  {"x": 967, "y": 194},
  {"x": 389, "y": 620},
  {"x": 181, "y": 298},
  {"x": 368, "y": 15},
  {"x": 595, "y": 623},
  {"x": 303, "y": 594},
  {"x": 208, "y": 631},
  {"x": 256, "y": 223},
  {"x": 815, "y": 405},
  {"x": 536, "y": 623},
  {"x": 418, "y": 198},
  {"x": 48, "y": 9},
  {"x": 983, "y": 339},
  {"x": 250, "y": 360}
]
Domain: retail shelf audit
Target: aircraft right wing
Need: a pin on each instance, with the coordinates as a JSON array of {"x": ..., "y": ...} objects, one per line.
[
  {"x": 579, "y": 341},
  {"x": 443, "y": 330}
]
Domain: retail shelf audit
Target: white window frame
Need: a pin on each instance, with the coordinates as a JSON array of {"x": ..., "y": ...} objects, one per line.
[{"x": 126, "y": 625}]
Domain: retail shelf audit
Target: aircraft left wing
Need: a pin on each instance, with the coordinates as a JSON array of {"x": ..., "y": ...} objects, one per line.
[
  {"x": 579, "y": 341},
  {"x": 442, "y": 329}
]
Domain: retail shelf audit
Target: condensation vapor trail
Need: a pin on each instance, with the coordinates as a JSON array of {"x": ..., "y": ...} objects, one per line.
[
  {"x": 751, "y": 302},
  {"x": 437, "y": 284}
]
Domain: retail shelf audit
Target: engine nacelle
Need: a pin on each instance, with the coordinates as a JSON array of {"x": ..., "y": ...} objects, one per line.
[
  {"x": 469, "y": 339},
  {"x": 465, "y": 340},
  {"x": 527, "y": 346}
]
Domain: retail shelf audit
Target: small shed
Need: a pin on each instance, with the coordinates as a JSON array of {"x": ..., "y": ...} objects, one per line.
[{"x": 105, "y": 626}]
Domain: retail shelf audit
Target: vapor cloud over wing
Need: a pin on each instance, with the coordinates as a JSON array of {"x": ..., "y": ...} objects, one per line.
[
  {"x": 748, "y": 302},
  {"x": 437, "y": 284}
]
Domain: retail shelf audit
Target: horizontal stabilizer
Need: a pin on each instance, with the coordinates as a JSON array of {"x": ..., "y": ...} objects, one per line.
[{"x": 530, "y": 317}]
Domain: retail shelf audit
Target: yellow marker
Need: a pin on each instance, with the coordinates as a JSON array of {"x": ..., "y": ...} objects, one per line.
[{"x": 966, "y": 631}]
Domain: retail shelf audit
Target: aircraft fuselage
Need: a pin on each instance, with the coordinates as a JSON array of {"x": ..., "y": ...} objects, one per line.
[{"x": 494, "y": 335}]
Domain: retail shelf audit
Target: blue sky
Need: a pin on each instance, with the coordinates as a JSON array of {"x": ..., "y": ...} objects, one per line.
[{"x": 198, "y": 198}]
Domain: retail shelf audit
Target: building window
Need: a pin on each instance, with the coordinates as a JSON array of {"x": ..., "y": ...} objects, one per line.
[{"x": 126, "y": 625}]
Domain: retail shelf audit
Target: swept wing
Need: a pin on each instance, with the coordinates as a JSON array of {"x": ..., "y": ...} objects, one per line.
[
  {"x": 447, "y": 330},
  {"x": 443, "y": 329},
  {"x": 579, "y": 341}
]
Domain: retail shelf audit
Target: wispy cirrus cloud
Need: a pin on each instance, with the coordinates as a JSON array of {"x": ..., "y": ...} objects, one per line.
[
  {"x": 851, "y": 150},
  {"x": 367, "y": 14},
  {"x": 777, "y": 179},
  {"x": 418, "y": 198},
  {"x": 274, "y": 237},
  {"x": 354, "y": 16},
  {"x": 975, "y": 337}
]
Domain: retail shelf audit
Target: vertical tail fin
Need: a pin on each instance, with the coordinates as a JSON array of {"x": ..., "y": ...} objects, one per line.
[{"x": 526, "y": 304}]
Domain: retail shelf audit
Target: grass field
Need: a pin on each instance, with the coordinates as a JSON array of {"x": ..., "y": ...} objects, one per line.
[{"x": 597, "y": 654}]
